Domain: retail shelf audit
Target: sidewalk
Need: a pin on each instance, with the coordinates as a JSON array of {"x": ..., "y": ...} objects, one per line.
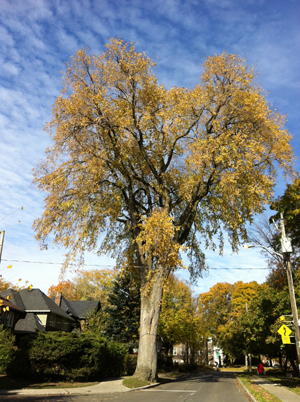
[
  {"x": 105, "y": 387},
  {"x": 280, "y": 392}
]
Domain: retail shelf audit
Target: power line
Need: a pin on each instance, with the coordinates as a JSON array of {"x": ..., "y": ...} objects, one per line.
[{"x": 135, "y": 266}]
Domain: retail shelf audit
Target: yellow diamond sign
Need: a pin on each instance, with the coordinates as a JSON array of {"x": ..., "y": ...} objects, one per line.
[{"x": 284, "y": 331}]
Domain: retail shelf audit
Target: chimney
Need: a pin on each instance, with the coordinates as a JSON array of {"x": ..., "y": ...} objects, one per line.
[{"x": 58, "y": 298}]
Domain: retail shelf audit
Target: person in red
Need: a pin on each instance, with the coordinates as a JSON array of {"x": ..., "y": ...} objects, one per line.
[{"x": 260, "y": 369}]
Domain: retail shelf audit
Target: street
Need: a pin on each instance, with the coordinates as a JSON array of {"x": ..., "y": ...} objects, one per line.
[{"x": 201, "y": 387}]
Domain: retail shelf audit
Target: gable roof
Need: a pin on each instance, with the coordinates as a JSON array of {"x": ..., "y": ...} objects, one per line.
[
  {"x": 78, "y": 308},
  {"x": 66, "y": 306},
  {"x": 30, "y": 323},
  {"x": 10, "y": 305},
  {"x": 35, "y": 301},
  {"x": 14, "y": 297},
  {"x": 83, "y": 307}
]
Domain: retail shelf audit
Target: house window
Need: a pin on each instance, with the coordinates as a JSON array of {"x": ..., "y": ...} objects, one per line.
[
  {"x": 182, "y": 351},
  {"x": 65, "y": 326},
  {"x": 174, "y": 351},
  {"x": 51, "y": 320},
  {"x": 9, "y": 318}
]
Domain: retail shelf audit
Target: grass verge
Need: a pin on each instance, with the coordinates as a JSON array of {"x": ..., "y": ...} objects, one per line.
[
  {"x": 8, "y": 383},
  {"x": 132, "y": 382},
  {"x": 260, "y": 394},
  {"x": 292, "y": 384}
]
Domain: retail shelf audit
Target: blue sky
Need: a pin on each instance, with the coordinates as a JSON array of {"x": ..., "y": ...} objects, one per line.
[{"x": 38, "y": 36}]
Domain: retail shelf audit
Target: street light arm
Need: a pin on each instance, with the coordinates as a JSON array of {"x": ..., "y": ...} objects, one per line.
[{"x": 265, "y": 248}]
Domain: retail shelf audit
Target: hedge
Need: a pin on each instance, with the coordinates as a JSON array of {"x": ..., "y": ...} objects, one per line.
[
  {"x": 7, "y": 349},
  {"x": 67, "y": 356}
]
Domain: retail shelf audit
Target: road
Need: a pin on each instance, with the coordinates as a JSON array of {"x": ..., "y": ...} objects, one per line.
[{"x": 201, "y": 387}]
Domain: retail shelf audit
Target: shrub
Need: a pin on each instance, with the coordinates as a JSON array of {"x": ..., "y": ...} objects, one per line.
[
  {"x": 117, "y": 354},
  {"x": 130, "y": 364},
  {"x": 187, "y": 368},
  {"x": 7, "y": 349},
  {"x": 67, "y": 356},
  {"x": 164, "y": 363}
]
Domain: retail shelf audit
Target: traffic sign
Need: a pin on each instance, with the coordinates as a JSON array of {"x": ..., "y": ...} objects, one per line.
[
  {"x": 284, "y": 330},
  {"x": 286, "y": 340}
]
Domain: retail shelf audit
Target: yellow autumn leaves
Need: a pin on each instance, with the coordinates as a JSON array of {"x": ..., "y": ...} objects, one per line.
[
  {"x": 156, "y": 240},
  {"x": 147, "y": 165}
]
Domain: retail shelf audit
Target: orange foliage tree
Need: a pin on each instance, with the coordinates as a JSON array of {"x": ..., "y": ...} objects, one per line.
[
  {"x": 67, "y": 288},
  {"x": 94, "y": 284}
]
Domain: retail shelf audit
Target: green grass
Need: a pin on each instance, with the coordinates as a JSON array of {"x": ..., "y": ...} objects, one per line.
[
  {"x": 292, "y": 384},
  {"x": 8, "y": 383},
  {"x": 260, "y": 394},
  {"x": 132, "y": 382}
]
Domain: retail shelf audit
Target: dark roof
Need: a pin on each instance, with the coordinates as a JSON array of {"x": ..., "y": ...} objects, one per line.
[
  {"x": 35, "y": 301},
  {"x": 14, "y": 297},
  {"x": 6, "y": 303},
  {"x": 66, "y": 306},
  {"x": 78, "y": 308},
  {"x": 30, "y": 323},
  {"x": 83, "y": 307}
]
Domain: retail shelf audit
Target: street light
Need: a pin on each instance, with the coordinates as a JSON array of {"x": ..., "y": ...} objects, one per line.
[
  {"x": 246, "y": 246},
  {"x": 287, "y": 249}
]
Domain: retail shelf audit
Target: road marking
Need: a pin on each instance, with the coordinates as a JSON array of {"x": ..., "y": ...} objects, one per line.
[{"x": 169, "y": 390}]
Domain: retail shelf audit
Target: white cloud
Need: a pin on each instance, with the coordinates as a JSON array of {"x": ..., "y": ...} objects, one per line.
[{"x": 38, "y": 37}]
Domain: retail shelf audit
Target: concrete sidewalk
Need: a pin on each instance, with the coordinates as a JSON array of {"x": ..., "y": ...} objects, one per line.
[
  {"x": 105, "y": 387},
  {"x": 280, "y": 392}
]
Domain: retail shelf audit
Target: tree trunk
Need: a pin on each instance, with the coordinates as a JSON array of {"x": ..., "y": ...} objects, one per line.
[
  {"x": 146, "y": 368},
  {"x": 292, "y": 361},
  {"x": 250, "y": 362}
]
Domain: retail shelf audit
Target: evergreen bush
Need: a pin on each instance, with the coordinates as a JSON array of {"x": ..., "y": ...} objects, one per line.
[
  {"x": 130, "y": 364},
  {"x": 7, "y": 342},
  {"x": 67, "y": 356}
]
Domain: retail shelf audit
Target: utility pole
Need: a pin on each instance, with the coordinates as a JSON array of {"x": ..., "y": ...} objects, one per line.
[
  {"x": 1, "y": 242},
  {"x": 286, "y": 251}
]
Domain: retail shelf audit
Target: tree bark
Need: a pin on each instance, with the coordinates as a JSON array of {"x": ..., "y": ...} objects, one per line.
[{"x": 146, "y": 368}]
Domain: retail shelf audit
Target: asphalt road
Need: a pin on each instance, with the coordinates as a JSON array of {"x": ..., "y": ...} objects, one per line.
[{"x": 202, "y": 387}]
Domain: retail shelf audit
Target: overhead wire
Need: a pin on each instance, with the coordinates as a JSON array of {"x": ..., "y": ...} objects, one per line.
[{"x": 135, "y": 266}]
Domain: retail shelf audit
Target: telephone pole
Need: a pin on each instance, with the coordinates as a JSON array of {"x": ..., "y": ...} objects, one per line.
[
  {"x": 1, "y": 242},
  {"x": 286, "y": 252}
]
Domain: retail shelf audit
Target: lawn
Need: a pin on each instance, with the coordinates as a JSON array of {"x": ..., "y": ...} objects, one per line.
[
  {"x": 8, "y": 383},
  {"x": 292, "y": 384}
]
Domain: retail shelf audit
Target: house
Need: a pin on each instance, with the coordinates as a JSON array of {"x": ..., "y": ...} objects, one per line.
[
  {"x": 209, "y": 355},
  {"x": 10, "y": 313},
  {"x": 77, "y": 309},
  {"x": 214, "y": 353},
  {"x": 42, "y": 314}
]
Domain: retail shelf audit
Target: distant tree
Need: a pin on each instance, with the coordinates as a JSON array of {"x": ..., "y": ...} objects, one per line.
[
  {"x": 157, "y": 170},
  {"x": 235, "y": 336},
  {"x": 289, "y": 205},
  {"x": 214, "y": 308},
  {"x": 92, "y": 284},
  {"x": 67, "y": 288},
  {"x": 179, "y": 322},
  {"x": 95, "y": 322},
  {"x": 5, "y": 285},
  {"x": 123, "y": 310}
]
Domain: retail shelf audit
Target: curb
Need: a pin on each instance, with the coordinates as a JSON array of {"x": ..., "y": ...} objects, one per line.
[
  {"x": 145, "y": 387},
  {"x": 249, "y": 394},
  {"x": 153, "y": 385}
]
